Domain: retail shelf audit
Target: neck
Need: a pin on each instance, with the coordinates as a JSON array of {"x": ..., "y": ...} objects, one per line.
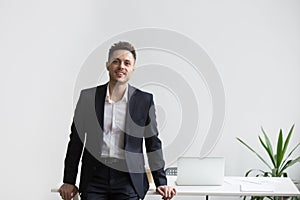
[{"x": 116, "y": 90}]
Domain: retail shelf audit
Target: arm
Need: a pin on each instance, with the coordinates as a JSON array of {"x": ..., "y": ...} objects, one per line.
[
  {"x": 73, "y": 155},
  {"x": 154, "y": 147},
  {"x": 155, "y": 155}
]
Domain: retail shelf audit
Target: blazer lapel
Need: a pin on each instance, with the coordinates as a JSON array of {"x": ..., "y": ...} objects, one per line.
[
  {"x": 99, "y": 103},
  {"x": 130, "y": 109}
]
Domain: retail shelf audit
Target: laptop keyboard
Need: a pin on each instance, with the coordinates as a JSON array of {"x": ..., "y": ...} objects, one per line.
[{"x": 171, "y": 171}]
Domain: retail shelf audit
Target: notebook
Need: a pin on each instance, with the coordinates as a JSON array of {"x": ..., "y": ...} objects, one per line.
[{"x": 200, "y": 171}]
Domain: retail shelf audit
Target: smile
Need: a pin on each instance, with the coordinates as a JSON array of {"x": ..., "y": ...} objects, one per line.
[{"x": 120, "y": 73}]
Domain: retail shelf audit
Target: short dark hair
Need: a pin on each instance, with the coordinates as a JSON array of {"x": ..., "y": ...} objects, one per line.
[{"x": 122, "y": 45}]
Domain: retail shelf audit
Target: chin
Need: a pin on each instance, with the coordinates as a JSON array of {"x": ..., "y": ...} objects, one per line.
[{"x": 121, "y": 81}]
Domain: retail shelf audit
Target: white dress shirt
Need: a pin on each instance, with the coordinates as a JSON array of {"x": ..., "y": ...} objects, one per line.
[{"x": 114, "y": 126}]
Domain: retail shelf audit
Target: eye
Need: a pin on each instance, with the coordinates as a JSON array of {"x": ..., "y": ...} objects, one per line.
[
  {"x": 127, "y": 63},
  {"x": 115, "y": 61}
]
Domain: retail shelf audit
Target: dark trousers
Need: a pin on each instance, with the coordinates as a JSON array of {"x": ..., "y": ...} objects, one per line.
[{"x": 110, "y": 184}]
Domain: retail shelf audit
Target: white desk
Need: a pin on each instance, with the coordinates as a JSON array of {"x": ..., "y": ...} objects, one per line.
[
  {"x": 234, "y": 186},
  {"x": 238, "y": 186}
]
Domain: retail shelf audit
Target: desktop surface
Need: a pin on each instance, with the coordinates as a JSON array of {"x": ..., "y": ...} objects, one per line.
[{"x": 238, "y": 186}]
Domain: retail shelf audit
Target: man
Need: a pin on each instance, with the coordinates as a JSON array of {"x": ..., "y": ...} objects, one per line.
[{"x": 110, "y": 124}]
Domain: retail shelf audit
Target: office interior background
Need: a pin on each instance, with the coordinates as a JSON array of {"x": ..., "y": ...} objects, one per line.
[{"x": 254, "y": 45}]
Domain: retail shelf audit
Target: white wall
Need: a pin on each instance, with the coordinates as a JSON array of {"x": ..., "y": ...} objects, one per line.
[{"x": 255, "y": 46}]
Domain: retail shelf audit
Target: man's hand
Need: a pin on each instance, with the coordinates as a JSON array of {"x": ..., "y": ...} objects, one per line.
[
  {"x": 166, "y": 191},
  {"x": 67, "y": 191}
]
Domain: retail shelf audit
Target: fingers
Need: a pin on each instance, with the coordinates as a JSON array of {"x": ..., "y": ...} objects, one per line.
[
  {"x": 170, "y": 193},
  {"x": 159, "y": 190},
  {"x": 67, "y": 191},
  {"x": 65, "y": 195},
  {"x": 167, "y": 192}
]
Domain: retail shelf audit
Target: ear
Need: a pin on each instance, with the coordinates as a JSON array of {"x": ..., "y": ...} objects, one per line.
[{"x": 107, "y": 65}]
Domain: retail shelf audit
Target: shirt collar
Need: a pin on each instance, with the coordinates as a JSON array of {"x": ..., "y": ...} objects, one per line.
[{"x": 124, "y": 98}]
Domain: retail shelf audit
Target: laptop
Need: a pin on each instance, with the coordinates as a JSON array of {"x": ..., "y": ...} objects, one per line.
[{"x": 200, "y": 171}]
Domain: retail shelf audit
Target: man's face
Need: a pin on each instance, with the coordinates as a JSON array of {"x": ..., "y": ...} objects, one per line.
[{"x": 120, "y": 66}]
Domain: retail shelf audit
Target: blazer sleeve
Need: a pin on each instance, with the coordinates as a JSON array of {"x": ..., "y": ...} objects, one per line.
[
  {"x": 75, "y": 145},
  {"x": 154, "y": 148}
]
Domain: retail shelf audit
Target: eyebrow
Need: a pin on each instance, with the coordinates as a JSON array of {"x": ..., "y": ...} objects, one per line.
[{"x": 120, "y": 59}]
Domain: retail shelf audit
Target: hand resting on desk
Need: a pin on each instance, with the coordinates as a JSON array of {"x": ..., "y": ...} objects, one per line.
[{"x": 166, "y": 191}]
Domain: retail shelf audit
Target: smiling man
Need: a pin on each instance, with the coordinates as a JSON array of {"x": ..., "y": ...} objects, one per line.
[{"x": 110, "y": 125}]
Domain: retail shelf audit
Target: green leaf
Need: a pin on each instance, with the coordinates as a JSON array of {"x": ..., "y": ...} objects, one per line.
[
  {"x": 248, "y": 172},
  {"x": 241, "y": 141},
  {"x": 286, "y": 159},
  {"x": 269, "y": 148},
  {"x": 291, "y": 163},
  {"x": 287, "y": 140},
  {"x": 268, "y": 174},
  {"x": 279, "y": 154},
  {"x": 260, "y": 172},
  {"x": 274, "y": 172}
]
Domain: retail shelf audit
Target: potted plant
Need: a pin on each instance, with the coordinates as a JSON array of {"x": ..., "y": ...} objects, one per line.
[{"x": 279, "y": 160}]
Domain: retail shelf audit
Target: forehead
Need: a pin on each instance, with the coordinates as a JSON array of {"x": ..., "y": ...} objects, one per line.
[{"x": 122, "y": 55}]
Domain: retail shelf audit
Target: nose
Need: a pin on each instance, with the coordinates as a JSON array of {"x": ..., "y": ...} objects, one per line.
[{"x": 122, "y": 65}]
